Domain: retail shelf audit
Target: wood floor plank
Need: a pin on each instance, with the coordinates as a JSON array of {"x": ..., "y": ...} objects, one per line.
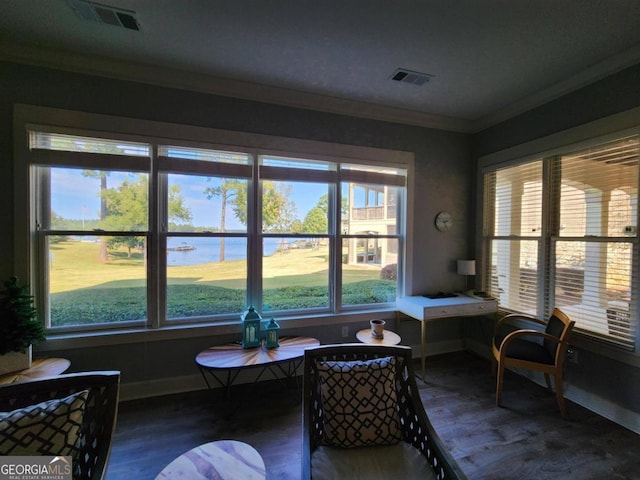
[{"x": 525, "y": 439}]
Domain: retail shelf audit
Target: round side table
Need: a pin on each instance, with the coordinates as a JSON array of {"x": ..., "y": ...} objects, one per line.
[
  {"x": 390, "y": 338},
  {"x": 221, "y": 460},
  {"x": 40, "y": 368}
]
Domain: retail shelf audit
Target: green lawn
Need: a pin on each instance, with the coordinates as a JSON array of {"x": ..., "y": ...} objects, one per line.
[{"x": 86, "y": 290}]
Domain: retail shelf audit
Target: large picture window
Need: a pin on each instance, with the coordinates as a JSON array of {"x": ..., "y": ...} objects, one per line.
[
  {"x": 129, "y": 231},
  {"x": 561, "y": 231}
]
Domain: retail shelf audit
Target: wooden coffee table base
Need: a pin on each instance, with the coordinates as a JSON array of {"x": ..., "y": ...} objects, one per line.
[{"x": 221, "y": 460}]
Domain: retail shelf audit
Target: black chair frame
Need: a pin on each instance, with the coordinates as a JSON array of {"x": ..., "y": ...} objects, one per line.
[
  {"x": 99, "y": 416},
  {"x": 414, "y": 423}
]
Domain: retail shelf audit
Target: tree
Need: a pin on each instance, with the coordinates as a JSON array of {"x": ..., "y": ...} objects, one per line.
[
  {"x": 128, "y": 209},
  {"x": 315, "y": 221},
  {"x": 19, "y": 325},
  {"x": 228, "y": 189},
  {"x": 102, "y": 176},
  {"x": 278, "y": 211}
]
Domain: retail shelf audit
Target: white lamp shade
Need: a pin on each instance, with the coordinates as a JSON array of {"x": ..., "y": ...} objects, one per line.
[{"x": 466, "y": 267}]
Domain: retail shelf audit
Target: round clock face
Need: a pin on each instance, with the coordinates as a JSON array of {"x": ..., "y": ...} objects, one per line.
[{"x": 444, "y": 221}]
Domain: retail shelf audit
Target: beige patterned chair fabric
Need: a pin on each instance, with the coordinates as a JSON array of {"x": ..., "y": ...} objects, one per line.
[
  {"x": 99, "y": 392},
  {"x": 419, "y": 444}
]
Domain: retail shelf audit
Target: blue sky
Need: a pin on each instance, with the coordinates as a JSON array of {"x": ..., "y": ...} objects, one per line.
[{"x": 75, "y": 196}]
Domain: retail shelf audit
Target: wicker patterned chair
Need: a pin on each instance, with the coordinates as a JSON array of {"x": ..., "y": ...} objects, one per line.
[
  {"x": 95, "y": 425},
  {"x": 414, "y": 427}
]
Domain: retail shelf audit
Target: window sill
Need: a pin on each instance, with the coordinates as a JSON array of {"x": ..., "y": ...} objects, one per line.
[
  {"x": 588, "y": 343},
  {"x": 65, "y": 341}
]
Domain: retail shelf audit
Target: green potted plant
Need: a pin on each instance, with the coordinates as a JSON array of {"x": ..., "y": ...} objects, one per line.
[{"x": 19, "y": 326}]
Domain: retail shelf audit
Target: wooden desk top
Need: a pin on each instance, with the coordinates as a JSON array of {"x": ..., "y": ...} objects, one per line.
[
  {"x": 390, "y": 338},
  {"x": 232, "y": 355},
  {"x": 40, "y": 368},
  {"x": 223, "y": 460}
]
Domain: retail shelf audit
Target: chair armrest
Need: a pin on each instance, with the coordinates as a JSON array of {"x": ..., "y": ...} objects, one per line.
[
  {"x": 520, "y": 316},
  {"x": 528, "y": 333}
]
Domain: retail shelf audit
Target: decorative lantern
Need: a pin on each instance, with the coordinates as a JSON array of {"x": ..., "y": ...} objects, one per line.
[
  {"x": 272, "y": 334},
  {"x": 250, "y": 328}
]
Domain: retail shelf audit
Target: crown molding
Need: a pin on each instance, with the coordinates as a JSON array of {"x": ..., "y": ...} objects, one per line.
[
  {"x": 173, "y": 78},
  {"x": 598, "y": 71},
  {"x": 179, "y": 79}
]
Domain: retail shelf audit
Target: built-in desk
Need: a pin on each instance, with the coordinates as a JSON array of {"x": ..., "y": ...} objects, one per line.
[{"x": 428, "y": 309}]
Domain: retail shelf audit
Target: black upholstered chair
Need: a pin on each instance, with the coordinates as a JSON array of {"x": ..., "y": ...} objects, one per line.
[
  {"x": 344, "y": 438},
  {"x": 531, "y": 349},
  {"x": 99, "y": 392}
]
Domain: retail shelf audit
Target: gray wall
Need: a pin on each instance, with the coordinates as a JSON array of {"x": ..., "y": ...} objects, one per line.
[
  {"x": 443, "y": 181},
  {"x": 597, "y": 378}
]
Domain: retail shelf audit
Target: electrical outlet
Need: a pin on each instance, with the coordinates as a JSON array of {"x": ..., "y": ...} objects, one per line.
[
  {"x": 345, "y": 331},
  {"x": 572, "y": 355}
]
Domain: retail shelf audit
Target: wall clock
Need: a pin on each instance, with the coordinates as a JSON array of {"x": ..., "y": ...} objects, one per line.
[{"x": 444, "y": 221}]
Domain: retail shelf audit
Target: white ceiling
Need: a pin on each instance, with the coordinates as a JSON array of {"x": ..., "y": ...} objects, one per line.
[{"x": 490, "y": 59}]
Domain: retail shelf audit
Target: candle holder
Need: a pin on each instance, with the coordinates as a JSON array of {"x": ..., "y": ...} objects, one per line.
[
  {"x": 272, "y": 334},
  {"x": 250, "y": 328}
]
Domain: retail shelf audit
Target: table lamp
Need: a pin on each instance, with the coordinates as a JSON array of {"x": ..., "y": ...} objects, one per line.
[{"x": 468, "y": 268}]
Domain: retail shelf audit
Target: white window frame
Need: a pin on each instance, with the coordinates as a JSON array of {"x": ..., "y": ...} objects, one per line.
[
  {"x": 28, "y": 117},
  {"x": 578, "y": 138}
]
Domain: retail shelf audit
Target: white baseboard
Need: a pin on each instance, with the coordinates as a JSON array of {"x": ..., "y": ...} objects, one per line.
[
  {"x": 190, "y": 383},
  {"x": 607, "y": 409},
  {"x": 164, "y": 386},
  {"x": 601, "y": 406}
]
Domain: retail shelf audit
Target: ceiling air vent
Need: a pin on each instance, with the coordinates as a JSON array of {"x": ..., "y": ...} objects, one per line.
[
  {"x": 408, "y": 76},
  {"x": 118, "y": 17}
]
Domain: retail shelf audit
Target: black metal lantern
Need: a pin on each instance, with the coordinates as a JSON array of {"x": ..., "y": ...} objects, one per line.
[{"x": 250, "y": 328}]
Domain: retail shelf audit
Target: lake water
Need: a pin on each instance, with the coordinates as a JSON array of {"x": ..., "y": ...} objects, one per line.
[{"x": 208, "y": 250}]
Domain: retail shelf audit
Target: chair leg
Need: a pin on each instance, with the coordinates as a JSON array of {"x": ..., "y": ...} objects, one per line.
[
  {"x": 560, "y": 395},
  {"x": 548, "y": 380},
  {"x": 499, "y": 380}
]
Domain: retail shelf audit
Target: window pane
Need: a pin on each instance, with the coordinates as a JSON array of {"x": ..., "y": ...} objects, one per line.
[
  {"x": 368, "y": 209},
  {"x": 593, "y": 286},
  {"x": 207, "y": 204},
  {"x": 99, "y": 199},
  {"x": 73, "y": 143},
  {"x": 205, "y": 155},
  {"x": 374, "y": 169},
  {"x": 295, "y": 207},
  {"x": 297, "y": 163},
  {"x": 205, "y": 276},
  {"x": 516, "y": 197},
  {"x": 295, "y": 273},
  {"x": 599, "y": 190},
  {"x": 369, "y": 270},
  {"x": 514, "y": 274},
  {"x": 85, "y": 289}
]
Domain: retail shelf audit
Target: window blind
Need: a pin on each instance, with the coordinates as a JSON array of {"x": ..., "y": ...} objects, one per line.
[
  {"x": 596, "y": 237},
  {"x": 513, "y": 196}
]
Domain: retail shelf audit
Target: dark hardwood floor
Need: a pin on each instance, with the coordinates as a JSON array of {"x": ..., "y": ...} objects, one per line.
[{"x": 525, "y": 439}]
